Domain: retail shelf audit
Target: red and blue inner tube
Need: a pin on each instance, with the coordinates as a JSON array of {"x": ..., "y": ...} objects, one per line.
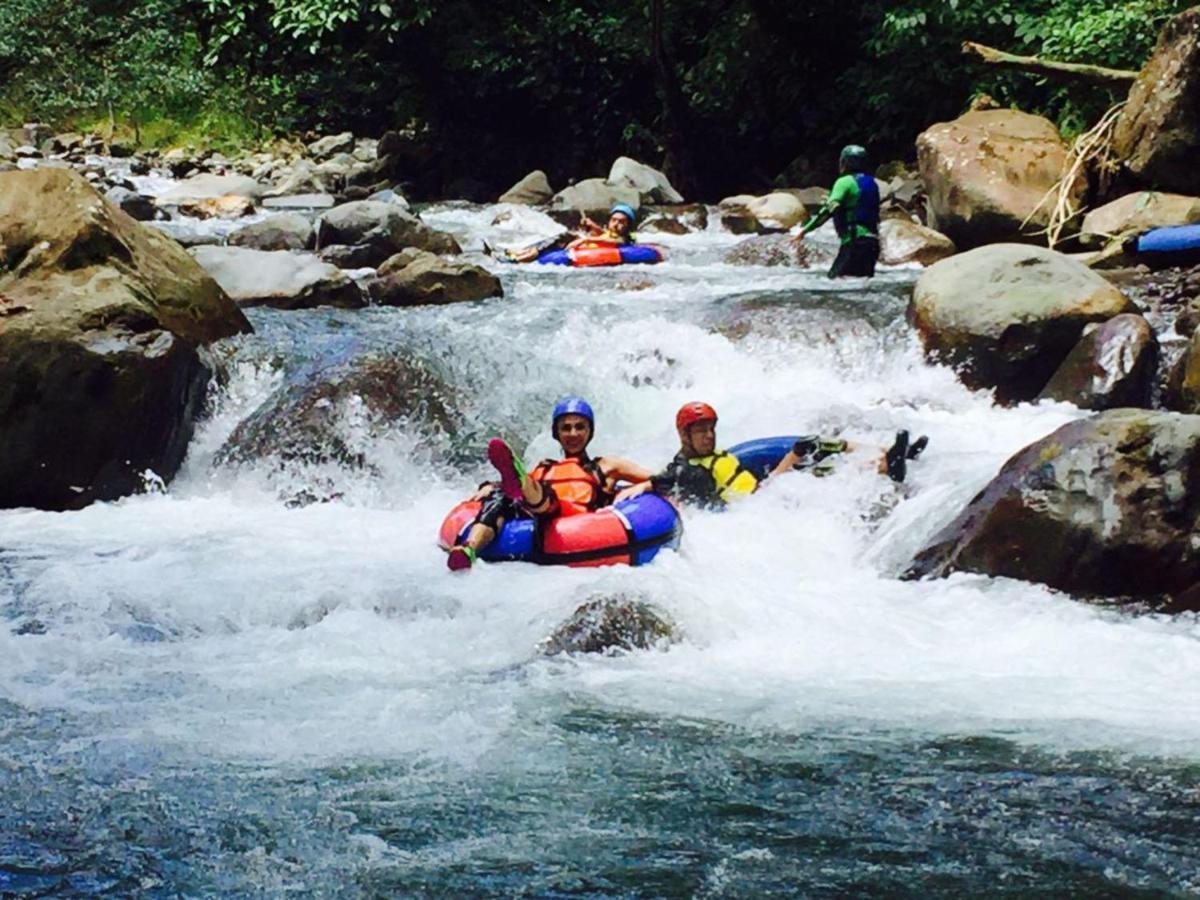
[{"x": 602, "y": 253}]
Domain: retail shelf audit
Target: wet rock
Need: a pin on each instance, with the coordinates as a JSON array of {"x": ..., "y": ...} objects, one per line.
[
  {"x": 610, "y": 624},
  {"x": 1113, "y": 365},
  {"x": 1106, "y": 506},
  {"x": 356, "y": 256},
  {"x": 278, "y": 278},
  {"x": 326, "y": 147},
  {"x": 300, "y": 178},
  {"x": 210, "y": 187},
  {"x": 657, "y": 224},
  {"x": 134, "y": 204},
  {"x": 300, "y": 201},
  {"x": 36, "y": 134},
  {"x": 740, "y": 222},
  {"x": 1137, "y": 212},
  {"x": 66, "y": 142},
  {"x": 532, "y": 190},
  {"x": 777, "y": 250},
  {"x": 595, "y": 197},
  {"x": 390, "y": 195},
  {"x": 336, "y": 415},
  {"x": 1006, "y": 316},
  {"x": 287, "y": 231},
  {"x": 652, "y": 185},
  {"x": 1158, "y": 134},
  {"x": 381, "y": 229},
  {"x": 100, "y": 377},
  {"x": 777, "y": 211},
  {"x": 693, "y": 216},
  {"x": 987, "y": 172},
  {"x": 414, "y": 277},
  {"x": 231, "y": 206},
  {"x": 904, "y": 241}
]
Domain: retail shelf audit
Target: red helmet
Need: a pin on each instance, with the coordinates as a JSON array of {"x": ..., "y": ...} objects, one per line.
[{"x": 691, "y": 413}]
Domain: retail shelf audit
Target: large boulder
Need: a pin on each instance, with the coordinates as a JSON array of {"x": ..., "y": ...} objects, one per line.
[
  {"x": 381, "y": 230},
  {"x": 1006, "y": 316},
  {"x": 1105, "y": 506},
  {"x": 100, "y": 377},
  {"x": 1158, "y": 134},
  {"x": 904, "y": 241},
  {"x": 532, "y": 190},
  {"x": 610, "y": 625},
  {"x": 414, "y": 277},
  {"x": 987, "y": 172},
  {"x": 324, "y": 148},
  {"x": 1137, "y": 212},
  {"x": 287, "y": 231},
  {"x": 595, "y": 197},
  {"x": 652, "y": 185},
  {"x": 780, "y": 210},
  {"x": 1113, "y": 365},
  {"x": 210, "y": 187},
  {"x": 278, "y": 278}
]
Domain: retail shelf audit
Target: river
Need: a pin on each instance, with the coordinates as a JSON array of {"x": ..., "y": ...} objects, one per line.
[{"x": 207, "y": 691}]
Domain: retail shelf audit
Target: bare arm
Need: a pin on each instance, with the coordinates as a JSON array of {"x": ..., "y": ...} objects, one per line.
[{"x": 619, "y": 469}]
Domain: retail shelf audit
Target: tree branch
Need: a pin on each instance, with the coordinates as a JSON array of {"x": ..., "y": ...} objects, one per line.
[{"x": 1073, "y": 71}]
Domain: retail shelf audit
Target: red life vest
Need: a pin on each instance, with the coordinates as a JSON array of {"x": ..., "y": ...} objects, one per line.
[{"x": 578, "y": 484}]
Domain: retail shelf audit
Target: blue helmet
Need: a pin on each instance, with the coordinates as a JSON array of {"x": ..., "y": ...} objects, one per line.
[
  {"x": 571, "y": 406},
  {"x": 626, "y": 210}
]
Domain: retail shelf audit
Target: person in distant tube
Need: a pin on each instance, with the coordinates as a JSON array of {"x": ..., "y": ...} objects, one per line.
[
  {"x": 619, "y": 230},
  {"x": 702, "y": 475}
]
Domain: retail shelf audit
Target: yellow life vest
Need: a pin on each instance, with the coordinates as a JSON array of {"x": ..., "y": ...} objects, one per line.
[{"x": 730, "y": 478}]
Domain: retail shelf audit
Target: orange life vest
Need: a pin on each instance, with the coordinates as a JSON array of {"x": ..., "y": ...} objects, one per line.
[{"x": 578, "y": 484}]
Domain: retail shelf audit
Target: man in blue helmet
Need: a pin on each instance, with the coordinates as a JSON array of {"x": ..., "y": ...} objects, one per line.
[
  {"x": 853, "y": 203},
  {"x": 575, "y": 484},
  {"x": 619, "y": 230}
]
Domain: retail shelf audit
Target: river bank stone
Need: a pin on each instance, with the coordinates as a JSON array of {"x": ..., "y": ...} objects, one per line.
[
  {"x": 1135, "y": 213},
  {"x": 278, "y": 278},
  {"x": 1007, "y": 315},
  {"x": 1102, "y": 507},
  {"x": 594, "y": 197},
  {"x": 100, "y": 376},
  {"x": 415, "y": 277},
  {"x": 287, "y": 231},
  {"x": 1158, "y": 134},
  {"x": 988, "y": 172},
  {"x": 652, "y": 185},
  {"x": 903, "y": 241},
  {"x": 1113, "y": 365},
  {"x": 609, "y": 625},
  {"x": 378, "y": 231},
  {"x": 210, "y": 187},
  {"x": 532, "y": 190}
]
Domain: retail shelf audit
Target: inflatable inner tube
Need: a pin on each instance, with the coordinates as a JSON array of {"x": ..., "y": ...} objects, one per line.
[
  {"x": 602, "y": 253},
  {"x": 1174, "y": 245},
  {"x": 761, "y": 455},
  {"x": 630, "y": 533}
]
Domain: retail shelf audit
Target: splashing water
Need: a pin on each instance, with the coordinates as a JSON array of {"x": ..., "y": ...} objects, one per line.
[{"x": 207, "y": 689}]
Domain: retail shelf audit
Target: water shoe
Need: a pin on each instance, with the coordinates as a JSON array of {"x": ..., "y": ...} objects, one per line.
[
  {"x": 460, "y": 557},
  {"x": 508, "y": 464},
  {"x": 897, "y": 457},
  {"x": 917, "y": 447}
]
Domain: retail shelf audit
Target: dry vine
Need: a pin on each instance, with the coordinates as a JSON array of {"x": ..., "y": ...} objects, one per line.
[{"x": 1093, "y": 147}]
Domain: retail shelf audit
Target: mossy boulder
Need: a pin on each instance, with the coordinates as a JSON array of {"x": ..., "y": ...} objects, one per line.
[{"x": 102, "y": 318}]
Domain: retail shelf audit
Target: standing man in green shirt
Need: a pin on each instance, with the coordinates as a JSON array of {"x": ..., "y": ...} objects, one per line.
[{"x": 854, "y": 206}]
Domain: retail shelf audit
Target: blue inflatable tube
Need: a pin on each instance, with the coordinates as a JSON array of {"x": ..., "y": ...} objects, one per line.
[
  {"x": 1174, "y": 245},
  {"x": 762, "y": 455},
  {"x": 626, "y": 254}
]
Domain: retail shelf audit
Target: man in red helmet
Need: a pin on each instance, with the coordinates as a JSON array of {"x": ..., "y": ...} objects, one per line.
[{"x": 705, "y": 476}]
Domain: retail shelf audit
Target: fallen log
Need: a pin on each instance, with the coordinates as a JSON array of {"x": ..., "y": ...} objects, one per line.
[{"x": 1049, "y": 68}]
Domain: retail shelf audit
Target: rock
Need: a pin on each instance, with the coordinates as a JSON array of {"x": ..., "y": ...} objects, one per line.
[
  {"x": 987, "y": 172},
  {"x": 652, "y": 185},
  {"x": 812, "y": 198},
  {"x": 338, "y": 414},
  {"x": 356, "y": 256},
  {"x": 1158, "y": 134},
  {"x": 331, "y": 145},
  {"x": 390, "y": 195},
  {"x": 300, "y": 201},
  {"x": 119, "y": 149},
  {"x": 1135, "y": 213},
  {"x": 414, "y": 277},
  {"x": 231, "y": 206},
  {"x": 300, "y": 178},
  {"x": 384, "y": 228},
  {"x": 35, "y": 133},
  {"x": 27, "y": 152},
  {"x": 134, "y": 204},
  {"x": 904, "y": 241},
  {"x": 776, "y": 250},
  {"x": 278, "y": 278},
  {"x": 778, "y": 211},
  {"x": 657, "y": 224},
  {"x": 210, "y": 187},
  {"x": 1105, "y": 506},
  {"x": 288, "y": 231},
  {"x": 65, "y": 143},
  {"x": 740, "y": 222},
  {"x": 607, "y": 624},
  {"x": 692, "y": 215},
  {"x": 532, "y": 190},
  {"x": 1006, "y": 316},
  {"x": 1189, "y": 376},
  {"x": 1112, "y": 365},
  {"x": 100, "y": 378},
  {"x": 595, "y": 197}
]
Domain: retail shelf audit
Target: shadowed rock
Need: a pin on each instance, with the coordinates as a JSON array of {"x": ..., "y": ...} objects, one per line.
[
  {"x": 607, "y": 624},
  {"x": 1112, "y": 365}
]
